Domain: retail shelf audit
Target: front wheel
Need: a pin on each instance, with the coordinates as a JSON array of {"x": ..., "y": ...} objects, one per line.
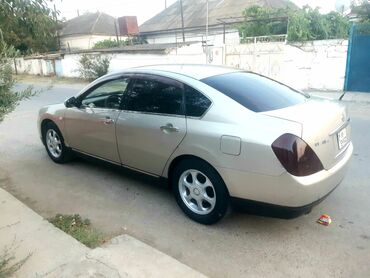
[
  {"x": 54, "y": 144},
  {"x": 200, "y": 191}
]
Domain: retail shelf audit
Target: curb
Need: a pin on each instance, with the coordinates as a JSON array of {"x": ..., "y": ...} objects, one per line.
[{"x": 52, "y": 253}]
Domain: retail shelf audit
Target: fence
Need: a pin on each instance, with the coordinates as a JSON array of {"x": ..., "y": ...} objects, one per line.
[{"x": 313, "y": 65}]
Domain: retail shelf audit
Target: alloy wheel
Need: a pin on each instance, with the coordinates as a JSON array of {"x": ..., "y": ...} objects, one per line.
[
  {"x": 197, "y": 191},
  {"x": 53, "y": 142}
]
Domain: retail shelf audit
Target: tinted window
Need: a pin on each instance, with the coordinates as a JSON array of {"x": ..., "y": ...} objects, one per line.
[
  {"x": 155, "y": 95},
  {"x": 255, "y": 92},
  {"x": 107, "y": 95},
  {"x": 196, "y": 103}
]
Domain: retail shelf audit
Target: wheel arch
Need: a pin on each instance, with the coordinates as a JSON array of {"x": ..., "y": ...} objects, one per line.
[
  {"x": 43, "y": 125},
  {"x": 182, "y": 157}
]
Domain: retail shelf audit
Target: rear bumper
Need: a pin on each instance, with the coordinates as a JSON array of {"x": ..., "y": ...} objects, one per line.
[
  {"x": 271, "y": 210},
  {"x": 286, "y": 191}
]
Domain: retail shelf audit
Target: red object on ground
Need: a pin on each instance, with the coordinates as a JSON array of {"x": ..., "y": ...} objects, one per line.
[{"x": 324, "y": 220}]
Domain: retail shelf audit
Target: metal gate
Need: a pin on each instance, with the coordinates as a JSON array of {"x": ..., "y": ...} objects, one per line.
[{"x": 358, "y": 59}]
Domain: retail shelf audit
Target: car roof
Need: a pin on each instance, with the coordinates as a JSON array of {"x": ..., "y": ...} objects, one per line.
[{"x": 194, "y": 71}]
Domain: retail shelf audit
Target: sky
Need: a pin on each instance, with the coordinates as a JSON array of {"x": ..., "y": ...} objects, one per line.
[{"x": 145, "y": 9}]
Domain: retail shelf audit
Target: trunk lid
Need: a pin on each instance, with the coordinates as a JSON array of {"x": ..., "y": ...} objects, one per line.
[{"x": 325, "y": 127}]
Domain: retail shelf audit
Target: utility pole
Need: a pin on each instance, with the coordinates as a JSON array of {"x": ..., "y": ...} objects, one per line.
[
  {"x": 182, "y": 22},
  {"x": 165, "y": 4},
  {"x": 57, "y": 27},
  {"x": 207, "y": 21}
]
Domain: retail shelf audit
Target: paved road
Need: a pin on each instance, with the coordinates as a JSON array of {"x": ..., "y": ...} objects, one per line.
[{"x": 118, "y": 201}]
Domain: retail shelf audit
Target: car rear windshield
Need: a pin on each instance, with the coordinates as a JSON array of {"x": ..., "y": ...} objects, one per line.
[{"x": 254, "y": 91}]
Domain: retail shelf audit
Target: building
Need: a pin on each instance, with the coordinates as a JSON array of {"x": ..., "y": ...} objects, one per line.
[
  {"x": 223, "y": 15},
  {"x": 84, "y": 31}
]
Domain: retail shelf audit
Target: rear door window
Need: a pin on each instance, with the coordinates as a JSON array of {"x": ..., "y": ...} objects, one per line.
[
  {"x": 255, "y": 92},
  {"x": 152, "y": 94},
  {"x": 196, "y": 103}
]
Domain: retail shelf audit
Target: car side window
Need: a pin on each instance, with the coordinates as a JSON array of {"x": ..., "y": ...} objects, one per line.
[
  {"x": 108, "y": 95},
  {"x": 196, "y": 103},
  {"x": 155, "y": 95}
]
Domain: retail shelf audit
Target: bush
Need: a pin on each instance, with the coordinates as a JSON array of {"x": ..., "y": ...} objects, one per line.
[
  {"x": 113, "y": 43},
  {"x": 92, "y": 67},
  {"x": 107, "y": 44}
]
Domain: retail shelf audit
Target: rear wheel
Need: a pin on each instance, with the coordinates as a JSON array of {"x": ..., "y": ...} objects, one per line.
[
  {"x": 200, "y": 191},
  {"x": 54, "y": 144}
]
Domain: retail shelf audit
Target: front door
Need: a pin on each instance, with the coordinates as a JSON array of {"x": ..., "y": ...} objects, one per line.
[
  {"x": 152, "y": 123},
  {"x": 91, "y": 126}
]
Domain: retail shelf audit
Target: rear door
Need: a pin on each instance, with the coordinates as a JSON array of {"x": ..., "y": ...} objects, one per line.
[{"x": 152, "y": 123}]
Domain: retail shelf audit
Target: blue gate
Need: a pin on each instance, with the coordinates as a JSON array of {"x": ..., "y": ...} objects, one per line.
[{"x": 358, "y": 59}]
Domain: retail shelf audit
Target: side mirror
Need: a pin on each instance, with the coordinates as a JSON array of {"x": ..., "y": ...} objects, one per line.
[{"x": 71, "y": 102}]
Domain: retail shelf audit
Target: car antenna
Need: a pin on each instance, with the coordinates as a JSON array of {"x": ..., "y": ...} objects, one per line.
[{"x": 341, "y": 97}]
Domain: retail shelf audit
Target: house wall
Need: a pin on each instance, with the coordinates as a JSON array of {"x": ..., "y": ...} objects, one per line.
[
  {"x": 231, "y": 37},
  {"x": 313, "y": 65},
  {"x": 84, "y": 42}
]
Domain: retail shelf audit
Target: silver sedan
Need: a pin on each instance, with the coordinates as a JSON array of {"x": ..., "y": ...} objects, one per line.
[{"x": 219, "y": 135}]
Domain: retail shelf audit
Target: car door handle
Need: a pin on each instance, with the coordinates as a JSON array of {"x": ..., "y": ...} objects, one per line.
[
  {"x": 108, "y": 121},
  {"x": 169, "y": 128}
]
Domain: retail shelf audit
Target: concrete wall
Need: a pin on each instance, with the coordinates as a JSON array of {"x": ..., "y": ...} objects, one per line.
[
  {"x": 312, "y": 65},
  {"x": 68, "y": 65},
  {"x": 231, "y": 37},
  {"x": 43, "y": 67},
  {"x": 84, "y": 42}
]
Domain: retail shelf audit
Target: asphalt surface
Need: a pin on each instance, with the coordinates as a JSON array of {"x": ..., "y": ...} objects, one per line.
[{"x": 119, "y": 201}]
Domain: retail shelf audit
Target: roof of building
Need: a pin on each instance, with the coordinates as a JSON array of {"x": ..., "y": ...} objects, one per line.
[
  {"x": 195, "y": 13},
  {"x": 90, "y": 24}
]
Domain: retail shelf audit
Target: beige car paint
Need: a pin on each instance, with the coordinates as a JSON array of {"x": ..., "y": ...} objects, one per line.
[
  {"x": 254, "y": 174},
  {"x": 146, "y": 141},
  {"x": 92, "y": 131}
]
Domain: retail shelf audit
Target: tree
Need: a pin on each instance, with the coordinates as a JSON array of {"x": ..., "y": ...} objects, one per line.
[
  {"x": 362, "y": 10},
  {"x": 28, "y": 25},
  {"x": 261, "y": 21},
  {"x": 299, "y": 24},
  {"x": 9, "y": 99}
]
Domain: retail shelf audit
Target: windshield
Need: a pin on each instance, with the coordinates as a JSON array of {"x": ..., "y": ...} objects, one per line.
[{"x": 254, "y": 91}]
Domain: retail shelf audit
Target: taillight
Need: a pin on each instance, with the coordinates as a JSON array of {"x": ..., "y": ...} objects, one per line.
[{"x": 296, "y": 156}]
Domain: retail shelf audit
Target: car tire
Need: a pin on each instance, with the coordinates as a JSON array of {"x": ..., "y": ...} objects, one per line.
[
  {"x": 54, "y": 144},
  {"x": 200, "y": 191}
]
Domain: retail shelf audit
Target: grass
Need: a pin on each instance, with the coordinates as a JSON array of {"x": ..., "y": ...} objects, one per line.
[
  {"x": 7, "y": 265},
  {"x": 78, "y": 228}
]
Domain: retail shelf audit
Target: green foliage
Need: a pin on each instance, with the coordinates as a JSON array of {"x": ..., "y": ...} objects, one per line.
[
  {"x": 92, "y": 67},
  {"x": 113, "y": 43},
  {"x": 9, "y": 99},
  {"x": 7, "y": 266},
  {"x": 299, "y": 24},
  {"x": 78, "y": 228},
  {"x": 28, "y": 25},
  {"x": 362, "y": 11},
  {"x": 106, "y": 44},
  {"x": 260, "y": 21}
]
